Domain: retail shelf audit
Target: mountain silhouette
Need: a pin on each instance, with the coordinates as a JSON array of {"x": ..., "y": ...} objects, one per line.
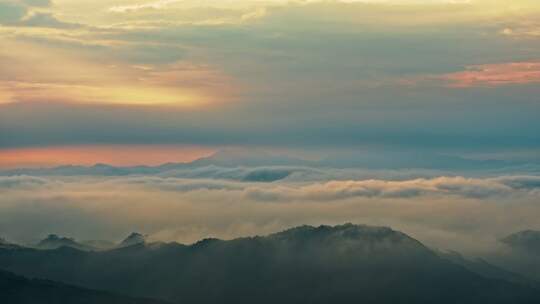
[
  {"x": 134, "y": 238},
  {"x": 53, "y": 241},
  {"x": 340, "y": 264}
]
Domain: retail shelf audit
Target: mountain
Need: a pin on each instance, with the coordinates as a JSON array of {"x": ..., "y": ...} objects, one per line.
[
  {"x": 325, "y": 264},
  {"x": 488, "y": 270},
  {"x": 7, "y": 245},
  {"x": 520, "y": 253},
  {"x": 249, "y": 158},
  {"x": 134, "y": 238},
  {"x": 528, "y": 240},
  {"x": 53, "y": 241},
  {"x": 99, "y": 244},
  {"x": 19, "y": 290},
  {"x": 259, "y": 166}
]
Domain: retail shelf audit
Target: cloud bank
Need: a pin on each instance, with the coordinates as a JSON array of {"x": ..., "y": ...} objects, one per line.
[{"x": 447, "y": 212}]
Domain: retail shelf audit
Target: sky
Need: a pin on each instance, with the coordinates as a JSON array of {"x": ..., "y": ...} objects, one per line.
[
  {"x": 324, "y": 95},
  {"x": 455, "y": 76}
]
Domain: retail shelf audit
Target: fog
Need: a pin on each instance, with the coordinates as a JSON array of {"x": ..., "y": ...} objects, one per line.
[{"x": 458, "y": 213}]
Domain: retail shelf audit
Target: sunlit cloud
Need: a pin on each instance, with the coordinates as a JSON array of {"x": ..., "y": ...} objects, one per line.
[
  {"x": 492, "y": 75},
  {"x": 31, "y": 72},
  {"x": 149, "y": 5}
]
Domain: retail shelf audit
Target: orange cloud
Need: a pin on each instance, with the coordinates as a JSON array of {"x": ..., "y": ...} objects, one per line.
[
  {"x": 492, "y": 75},
  {"x": 119, "y": 155}
]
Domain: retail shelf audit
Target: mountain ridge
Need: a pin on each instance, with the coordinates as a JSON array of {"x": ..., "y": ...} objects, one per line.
[{"x": 307, "y": 264}]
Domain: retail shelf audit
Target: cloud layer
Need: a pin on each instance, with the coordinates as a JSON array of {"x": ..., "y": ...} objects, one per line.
[{"x": 447, "y": 212}]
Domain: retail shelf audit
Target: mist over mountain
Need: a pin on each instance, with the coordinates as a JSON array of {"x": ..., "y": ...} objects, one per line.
[
  {"x": 519, "y": 253},
  {"x": 341, "y": 264},
  {"x": 4, "y": 244},
  {"x": 134, "y": 238},
  {"x": 53, "y": 241},
  {"x": 528, "y": 240}
]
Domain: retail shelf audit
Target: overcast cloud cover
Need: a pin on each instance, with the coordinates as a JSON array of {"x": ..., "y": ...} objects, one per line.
[{"x": 409, "y": 74}]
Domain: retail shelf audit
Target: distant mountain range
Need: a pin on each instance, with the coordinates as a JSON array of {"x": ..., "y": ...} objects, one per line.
[
  {"x": 258, "y": 166},
  {"x": 53, "y": 241},
  {"x": 341, "y": 264}
]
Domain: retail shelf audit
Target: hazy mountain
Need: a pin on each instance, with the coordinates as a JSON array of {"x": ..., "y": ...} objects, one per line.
[
  {"x": 341, "y": 264},
  {"x": 520, "y": 252},
  {"x": 19, "y": 290},
  {"x": 99, "y": 244},
  {"x": 4, "y": 244},
  {"x": 53, "y": 241},
  {"x": 488, "y": 270},
  {"x": 260, "y": 166},
  {"x": 528, "y": 240},
  {"x": 133, "y": 239}
]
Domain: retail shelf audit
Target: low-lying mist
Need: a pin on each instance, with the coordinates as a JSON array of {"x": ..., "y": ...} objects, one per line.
[{"x": 458, "y": 213}]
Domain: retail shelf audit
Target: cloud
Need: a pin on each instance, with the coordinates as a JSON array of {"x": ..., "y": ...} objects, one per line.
[
  {"x": 11, "y": 12},
  {"x": 46, "y": 20},
  {"x": 22, "y": 182},
  {"x": 440, "y": 186},
  {"x": 520, "y": 182},
  {"x": 447, "y": 211},
  {"x": 37, "y": 3},
  {"x": 326, "y": 191},
  {"x": 311, "y": 75},
  {"x": 22, "y": 14},
  {"x": 493, "y": 75},
  {"x": 150, "y": 5}
]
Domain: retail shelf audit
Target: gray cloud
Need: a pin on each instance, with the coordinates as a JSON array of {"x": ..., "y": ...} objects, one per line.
[
  {"x": 11, "y": 12},
  {"x": 46, "y": 20},
  {"x": 38, "y": 3},
  {"x": 20, "y": 13},
  {"x": 22, "y": 182}
]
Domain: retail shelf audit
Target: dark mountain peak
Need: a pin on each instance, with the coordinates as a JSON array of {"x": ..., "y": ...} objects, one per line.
[
  {"x": 55, "y": 237},
  {"x": 352, "y": 239},
  {"x": 528, "y": 240},
  {"x": 134, "y": 238},
  {"x": 345, "y": 231},
  {"x": 205, "y": 242},
  {"x": 54, "y": 241}
]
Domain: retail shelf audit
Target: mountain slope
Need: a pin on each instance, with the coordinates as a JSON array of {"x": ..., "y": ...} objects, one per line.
[
  {"x": 19, "y": 290},
  {"x": 341, "y": 264},
  {"x": 528, "y": 240}
]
